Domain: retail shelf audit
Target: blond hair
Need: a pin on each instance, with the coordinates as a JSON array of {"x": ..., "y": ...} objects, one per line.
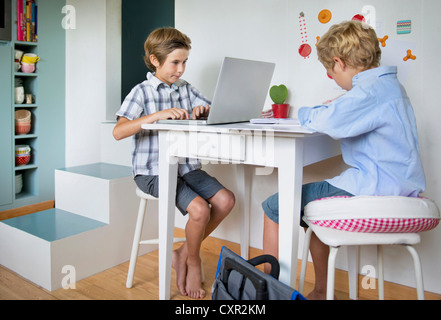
[
  {"x": 161, "y": 42},
  {"x": 354, "y": 42}
]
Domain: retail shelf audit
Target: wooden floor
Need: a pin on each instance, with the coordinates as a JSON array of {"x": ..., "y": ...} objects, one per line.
[{"x": 110, "y": 284}]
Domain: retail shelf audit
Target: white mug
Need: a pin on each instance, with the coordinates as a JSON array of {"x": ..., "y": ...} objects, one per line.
[
  {"x": 18, "y": 54},
  {"x": 19, "y": 95}
]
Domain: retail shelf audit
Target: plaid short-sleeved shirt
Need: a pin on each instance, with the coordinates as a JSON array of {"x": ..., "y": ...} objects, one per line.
[{"x": 148, "y": 97}]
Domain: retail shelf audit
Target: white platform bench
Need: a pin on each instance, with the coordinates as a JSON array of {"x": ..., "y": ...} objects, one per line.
[{"x": 89, "y": 230}]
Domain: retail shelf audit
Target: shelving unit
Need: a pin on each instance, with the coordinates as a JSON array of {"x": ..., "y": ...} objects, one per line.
[
  {"x": 28, "y": 172},
  {"x": 48, "y": 86},
  {"x": 6, "y": 126}
]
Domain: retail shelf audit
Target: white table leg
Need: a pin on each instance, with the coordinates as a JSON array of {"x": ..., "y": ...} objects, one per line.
[
  {"x": 168, "y": 167},
  {"x": 243, "y": 195},
  {"x": 289, "y": 154}
]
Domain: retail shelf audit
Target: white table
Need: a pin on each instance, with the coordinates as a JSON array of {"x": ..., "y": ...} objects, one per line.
[{"x": 288, "y": 148}]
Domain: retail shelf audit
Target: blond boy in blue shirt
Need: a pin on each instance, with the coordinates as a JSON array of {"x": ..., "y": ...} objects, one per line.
[{"x": 374, "y": 120}]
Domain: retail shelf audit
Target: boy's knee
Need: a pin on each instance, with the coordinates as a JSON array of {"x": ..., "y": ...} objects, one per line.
[
  {"x": 229, "y": 199},
  {"x": 271, "y": 207},
  {"x": 271, "y": 203},
  {"x": 224, "y": 200},
  {"x": 199, "y": 211}
]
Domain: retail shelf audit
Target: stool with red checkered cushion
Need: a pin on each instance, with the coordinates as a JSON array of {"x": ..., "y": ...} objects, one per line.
[{"x": 369, "y": 220}]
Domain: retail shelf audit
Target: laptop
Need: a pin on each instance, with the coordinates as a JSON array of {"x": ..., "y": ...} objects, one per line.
[{"x": 240, "y": 94}]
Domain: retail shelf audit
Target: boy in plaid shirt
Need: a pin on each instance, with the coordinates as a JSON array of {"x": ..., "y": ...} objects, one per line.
[{"x": 164, "y": 95}]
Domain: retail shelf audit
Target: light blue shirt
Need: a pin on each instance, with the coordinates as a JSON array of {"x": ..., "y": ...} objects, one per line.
[{"x": 376, "y": 125}]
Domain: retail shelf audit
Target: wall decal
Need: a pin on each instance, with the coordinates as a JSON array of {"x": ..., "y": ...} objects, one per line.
[
  {"x": 409, "y": 56},
  {"x": 324, "y": 16},
  {"x": 404, "y": 26},
  {"x": 359, "y": 17},
  {"x": 383, "y": 40},
  {"x": 305, "y": 48}
]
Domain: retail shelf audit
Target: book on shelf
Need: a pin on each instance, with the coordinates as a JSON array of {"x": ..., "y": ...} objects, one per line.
[{"x": 27, "y": 20}]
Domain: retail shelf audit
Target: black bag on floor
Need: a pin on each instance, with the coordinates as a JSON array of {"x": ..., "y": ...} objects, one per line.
[{"x": 238, "y": 279}]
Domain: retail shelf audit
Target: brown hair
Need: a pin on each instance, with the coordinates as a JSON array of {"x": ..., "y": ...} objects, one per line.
[
  {"x": 354, "y": 42},
  {"x": 161, "y": 42}
]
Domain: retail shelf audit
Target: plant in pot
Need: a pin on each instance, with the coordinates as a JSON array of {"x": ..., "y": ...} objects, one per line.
[{"x": 279, "y": 94}]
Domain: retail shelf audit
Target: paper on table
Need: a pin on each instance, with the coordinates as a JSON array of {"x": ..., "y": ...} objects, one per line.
[{"x": 275, "y": 121}]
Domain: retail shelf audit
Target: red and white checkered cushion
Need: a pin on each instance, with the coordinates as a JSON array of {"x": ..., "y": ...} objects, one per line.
[{"x": 374, "y": 214}]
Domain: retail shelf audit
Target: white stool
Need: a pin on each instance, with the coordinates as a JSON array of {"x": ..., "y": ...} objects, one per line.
[
  {"x": 137, "y": 237},
  {"x": 397, "y": 218}
]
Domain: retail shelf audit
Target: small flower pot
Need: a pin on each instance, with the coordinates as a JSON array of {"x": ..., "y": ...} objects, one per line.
[{"x": 280, "y": 110}]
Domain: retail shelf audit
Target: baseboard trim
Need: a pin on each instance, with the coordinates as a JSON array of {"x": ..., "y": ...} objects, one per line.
[{"x": 17, "y": 212}]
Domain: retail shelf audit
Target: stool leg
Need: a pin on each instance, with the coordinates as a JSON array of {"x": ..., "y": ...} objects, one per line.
[
  {"x": 353, "y": 267},
  {"x": 304, "y": 259},
  {"x": 136, "y": 240},
  {"x": 418, "y": 271},
  {"x": 331, "y": 273},
  {"x": 380, "y": 266}
]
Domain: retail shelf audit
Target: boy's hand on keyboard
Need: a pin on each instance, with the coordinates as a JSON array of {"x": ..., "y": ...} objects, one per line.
[
  {"x": 200, "y": 111},
  {"x": 174, "y": 114}
]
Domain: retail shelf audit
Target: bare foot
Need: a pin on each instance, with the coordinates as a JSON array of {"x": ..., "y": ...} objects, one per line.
[
  {"x": 179, "y": 263},
  {"x": 194, "y": 281}
]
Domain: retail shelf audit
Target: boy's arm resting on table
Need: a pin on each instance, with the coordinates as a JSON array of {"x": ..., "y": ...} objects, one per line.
[
  {"x": 343, "y": 118},
  {"x": 126, "y": 127}
]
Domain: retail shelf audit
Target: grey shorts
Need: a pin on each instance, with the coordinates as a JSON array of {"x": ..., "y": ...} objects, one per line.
[{"x": 189, "y": 186}]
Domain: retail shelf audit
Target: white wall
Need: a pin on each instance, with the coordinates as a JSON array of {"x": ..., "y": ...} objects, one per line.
[
  {"x": 269, "y": 30},
  {"x": 262, "y": 30},
  {"x": 93, "y": 76}
]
